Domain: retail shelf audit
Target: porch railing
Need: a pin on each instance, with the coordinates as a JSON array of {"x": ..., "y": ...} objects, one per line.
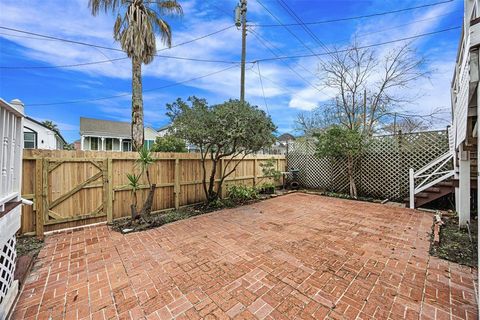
[
  {"x": 434, "y": 172},
  {"x": 11, "y": 147}
]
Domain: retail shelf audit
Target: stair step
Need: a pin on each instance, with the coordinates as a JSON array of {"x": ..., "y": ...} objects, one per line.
[{"x": 433, "y": 190}]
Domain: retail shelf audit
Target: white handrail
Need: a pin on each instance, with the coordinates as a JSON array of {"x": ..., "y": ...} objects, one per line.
[{"x": 426, "y": 182}]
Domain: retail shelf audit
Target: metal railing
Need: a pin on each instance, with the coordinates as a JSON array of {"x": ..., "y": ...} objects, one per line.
[{"x": 434, "y": 172}]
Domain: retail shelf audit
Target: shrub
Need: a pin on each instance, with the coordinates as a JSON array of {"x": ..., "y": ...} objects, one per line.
[
  {"x": 267, "y": 187},
  {"x": 242, "y": 193}
]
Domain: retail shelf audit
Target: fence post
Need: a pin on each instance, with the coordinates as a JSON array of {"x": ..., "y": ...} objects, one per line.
[
  {"x": 255, "y": 171},
  {"x": 412, "y": 189},
  {"x": 223, "y": 189},
  {"x": 176, "y": 188},
  {"x": 109, "y": 190},
  {"x": 39, "y": 198},
  {"x": 45, "y": 189}
]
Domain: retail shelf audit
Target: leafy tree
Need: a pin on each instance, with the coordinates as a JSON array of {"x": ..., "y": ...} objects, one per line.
[
  {"x": 338, "y": 141},
  {"x": 230, "y": 131},
  {"x": 169, "y": 143},
  {"x": 69, "y": 146},
  {"x": 50, "y": 125},
  {"x": 135, "y": 27}
]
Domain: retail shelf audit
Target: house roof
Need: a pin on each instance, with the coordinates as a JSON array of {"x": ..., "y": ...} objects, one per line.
[
  {"x": 41, "y": 124},
  {"x": 104, "y": 127},
  {"x": 165, "y": 127},
  {"x": 286, "y": 137}
]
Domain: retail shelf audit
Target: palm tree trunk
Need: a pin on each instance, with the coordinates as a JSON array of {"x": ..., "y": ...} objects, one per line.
[{"x": 137, "y": 105}]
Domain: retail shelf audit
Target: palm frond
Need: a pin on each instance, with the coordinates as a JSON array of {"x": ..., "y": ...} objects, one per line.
[
  {"x": 105, "y": 5},
  {"x": 133, "y": 181},
  {"x": 169, "y": 7}
]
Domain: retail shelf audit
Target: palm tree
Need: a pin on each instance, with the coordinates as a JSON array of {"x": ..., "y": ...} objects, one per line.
[
  {"x": 50, "y": 125},
  {"x": 135, "y": 27}
]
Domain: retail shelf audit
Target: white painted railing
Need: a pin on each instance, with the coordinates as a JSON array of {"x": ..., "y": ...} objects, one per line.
[
  {"x": 434, "y": 172},
  {"x": 11, "y": 148}
]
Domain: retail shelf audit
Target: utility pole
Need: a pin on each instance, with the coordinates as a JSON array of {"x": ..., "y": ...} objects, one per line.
[{"x": 241, "y": 20}]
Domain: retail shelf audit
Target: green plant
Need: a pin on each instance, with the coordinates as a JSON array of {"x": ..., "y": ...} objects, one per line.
[
  {"x": 269, "y": 170},
  {"x": 134, "y": 183},
  {"x": 341, "y": 142},
  {"x": 267, "y": 187},
  {"x": 225, "y": 132},
  {"x": 144, "y": 161},
  {"x": 169, "y": 143},
  {"x": 240, "y": 193}
]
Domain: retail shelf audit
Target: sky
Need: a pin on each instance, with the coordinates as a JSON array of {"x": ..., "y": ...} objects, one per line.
[{"x": 290, "y": 86}]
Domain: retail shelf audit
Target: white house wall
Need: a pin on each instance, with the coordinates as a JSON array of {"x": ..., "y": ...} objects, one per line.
[{"x": 46, "y": 138}]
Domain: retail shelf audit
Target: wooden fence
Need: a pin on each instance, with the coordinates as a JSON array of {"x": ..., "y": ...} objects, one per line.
[{"x": 75, "y": 188}]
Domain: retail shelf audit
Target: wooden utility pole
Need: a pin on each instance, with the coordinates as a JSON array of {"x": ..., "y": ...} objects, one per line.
[{"x": 241, "y": 19}]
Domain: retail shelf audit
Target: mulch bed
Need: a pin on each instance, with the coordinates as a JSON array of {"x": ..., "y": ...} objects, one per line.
[
  {"x": 146, "y": 222},
  {"x": 457, "y": 245}
]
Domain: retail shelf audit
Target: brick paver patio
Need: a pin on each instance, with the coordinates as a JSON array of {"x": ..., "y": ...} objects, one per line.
[{"x": 294, "y": 257}]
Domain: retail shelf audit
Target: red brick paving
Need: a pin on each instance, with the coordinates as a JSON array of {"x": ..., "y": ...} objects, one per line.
[{"x": 294, "y": 257}]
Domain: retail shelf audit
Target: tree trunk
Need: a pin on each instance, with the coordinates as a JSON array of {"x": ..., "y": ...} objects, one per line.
[
  {"x": 351, "y": 179},
  {"x": 147, "y": 207},
  {"x": 137, "y": 105},
  {"x": 133, "y": 212},
  {"x": 212, "y": 195}
]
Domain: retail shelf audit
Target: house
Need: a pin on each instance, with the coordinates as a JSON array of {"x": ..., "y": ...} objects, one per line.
[
  {"x": 36, "y": 135},
  {"x": 106, "y": 135},
  {"x": 281, "y": 145},
  {"x": 463, "y": 133}
]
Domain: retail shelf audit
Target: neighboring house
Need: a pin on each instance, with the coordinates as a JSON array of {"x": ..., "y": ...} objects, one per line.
[
  {"x": 463, "y": 133},
  {"x": 281, "y": 146},
  {"x": 38, "y": 136},
  {"x": 77, "y": 145},
  {"x": 106, "y": 135},
  {"x": 163, "y": 131}
]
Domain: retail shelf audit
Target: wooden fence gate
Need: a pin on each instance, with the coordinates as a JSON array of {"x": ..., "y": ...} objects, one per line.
[{"x": 70, "y": 189}]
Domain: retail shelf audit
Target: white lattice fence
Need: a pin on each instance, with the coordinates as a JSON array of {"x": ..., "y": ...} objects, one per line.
[
  {"x": 7, "y": 267},
  {"x": 382, "y": 172}
]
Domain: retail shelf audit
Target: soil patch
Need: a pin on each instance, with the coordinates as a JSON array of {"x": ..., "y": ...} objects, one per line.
[
  {"x": 457, "y": 245},
  {"x": 28, "y": 246}
]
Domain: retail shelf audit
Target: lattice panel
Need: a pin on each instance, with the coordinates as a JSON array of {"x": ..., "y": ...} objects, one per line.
[
  {"x": 382, "y": 172},
  {"x": 7, "y": 267}
]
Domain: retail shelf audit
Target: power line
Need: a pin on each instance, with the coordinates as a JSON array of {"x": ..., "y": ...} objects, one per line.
[
  {"x": 261, "y": 85},
  {"x": 128, "y": 94},
  {"x": 64, "y": 66},
  {"x": 361, "y": 47},
  {"x": 285, "y": 57},
  {"x": 355, "y": 17},
  {"x": 119, "y": 50},
  {"x": 288, "y": 29}
]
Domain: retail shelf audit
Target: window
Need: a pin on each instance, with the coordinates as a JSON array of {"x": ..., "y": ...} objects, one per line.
[
  {"x": 29, "y": 140},
  {"x": 94, "y": 143},
  {"x": 127, "y": 145},
  {"x": 109, "y": 144},
  {"x": 149, "y": 144}
]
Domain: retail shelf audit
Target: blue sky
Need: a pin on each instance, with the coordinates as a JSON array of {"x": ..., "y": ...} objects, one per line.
[{"x": 286, "y": 93}]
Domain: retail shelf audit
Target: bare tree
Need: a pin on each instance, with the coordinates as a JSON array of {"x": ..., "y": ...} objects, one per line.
[
  {"x": 406, "y": 125},
  {"x": 367, "y": 86}
]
